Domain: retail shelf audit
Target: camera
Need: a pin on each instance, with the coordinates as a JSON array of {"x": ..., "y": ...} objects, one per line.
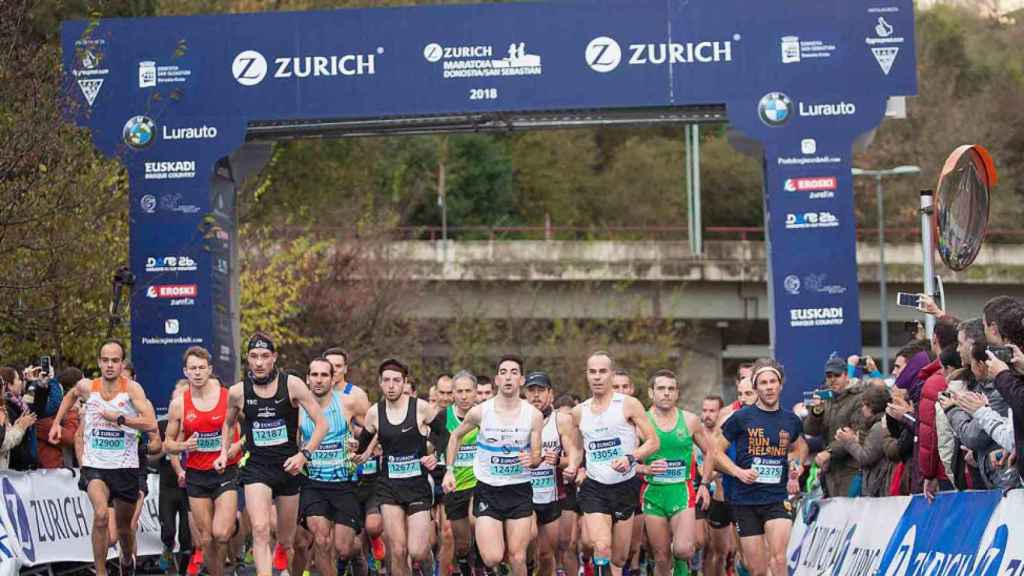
[{"x": 1004, "y": 353}]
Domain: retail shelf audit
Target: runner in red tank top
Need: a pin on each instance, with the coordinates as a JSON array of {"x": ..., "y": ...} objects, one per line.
[{"x": 195, "y": 422}]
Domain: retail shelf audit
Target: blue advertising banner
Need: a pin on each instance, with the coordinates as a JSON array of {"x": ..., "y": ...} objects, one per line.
[{"x": 173, "y": 97}]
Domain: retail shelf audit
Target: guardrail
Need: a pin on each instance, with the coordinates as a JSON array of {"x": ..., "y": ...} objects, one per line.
[{"x": 663, "y": 233}]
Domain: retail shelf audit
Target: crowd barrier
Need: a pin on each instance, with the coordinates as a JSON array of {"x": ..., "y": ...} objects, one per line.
[
  {"x": 958, "y": 534},
  {"x": 48, "y": 519}
]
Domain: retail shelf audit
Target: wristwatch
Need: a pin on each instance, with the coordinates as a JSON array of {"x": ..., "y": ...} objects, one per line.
[
  {"x": 631, "y": 459},
  {"x": 306, "y": 454},
  {"x": 120, "y": 419}
]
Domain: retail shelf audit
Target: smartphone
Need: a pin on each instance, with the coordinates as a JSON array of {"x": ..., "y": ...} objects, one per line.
[
  {"x": 44, "y": 365},
  {"x": 1004, "y": 353},
  {"x": 824, "y": 394},
  {"x": 908, "y": 300},
  {"x": 863, "y": 362}
]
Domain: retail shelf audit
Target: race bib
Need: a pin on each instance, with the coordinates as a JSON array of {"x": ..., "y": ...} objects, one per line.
[
  {"x": 466, "y": 455},
  {"x": 208, "y": 442},
  {"x": 369, "y": 467},
  {"x": 506, "y": 466},
  {"x": 542, "y": 479},
  {"x": 674, "y": 474},
  {"x": 269, "y": 433},
  {"x": 604, "y": 451},
  {"x": 769, "y": 470},
  {"x": 329, "y": 455},
  {"x": 112, "y": 440},
  {"x": 403, "y": 466}
]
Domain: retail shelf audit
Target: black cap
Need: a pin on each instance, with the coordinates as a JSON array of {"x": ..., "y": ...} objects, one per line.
[
  {"x": 538, "y": 379},
  {"x": 393, "y": 364},
  {"x": 835, "y": 365}
]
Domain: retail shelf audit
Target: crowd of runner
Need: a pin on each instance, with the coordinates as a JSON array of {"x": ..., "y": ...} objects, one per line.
[{"x": 491, "y": 474}]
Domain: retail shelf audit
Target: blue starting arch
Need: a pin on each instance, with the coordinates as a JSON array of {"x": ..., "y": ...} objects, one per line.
[{"x": 184, "y": 103}]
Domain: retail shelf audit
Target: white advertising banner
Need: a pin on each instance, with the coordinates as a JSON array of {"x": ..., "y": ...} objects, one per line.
[
  {"x": 848, "y": 538},
  {"x": 1001, "y": 552},
  {"x": 48, "y": 519}
]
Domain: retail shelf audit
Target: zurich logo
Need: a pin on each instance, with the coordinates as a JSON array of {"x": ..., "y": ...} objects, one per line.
[
  {"x": 603, "y": 54},
  {"x": 138, "y": 132},
  {"x": 774, "y": 108},
  {"x": 249, "y": 68}
]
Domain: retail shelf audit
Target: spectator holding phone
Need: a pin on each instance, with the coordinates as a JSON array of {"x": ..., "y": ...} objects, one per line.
[
  {"x": 1004, "y": 325},
  {"x": 867, "y": 445},
  {"x": 60, "y": 454},
  {"x": 826, "y": 417},
  {"x": 15, "y": 418}
]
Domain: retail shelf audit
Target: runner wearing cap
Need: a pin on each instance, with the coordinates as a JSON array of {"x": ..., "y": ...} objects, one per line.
[
  {"x": 270, "y": 400},
  {"x": 115, "y": 411},
  {"x": 195, "y": 422},
  {"x": 558, "y": 439},
  {"x": 609, "y": 493},
  {"x": 402, "y": 423},
  {"x": 668, "y": 506},
  {"x": 508, "y": 446},
  {"x": 457, "y": 502},
  {"x": 770, "y": 449}
]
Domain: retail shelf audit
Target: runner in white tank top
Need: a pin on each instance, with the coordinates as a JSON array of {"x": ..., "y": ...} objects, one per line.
[
  {"x": 508, "y": 448},
  {"x": 559, "y": 451},
  {"x": 115, "y": 412},
  {"x": 608, "y": 497}
]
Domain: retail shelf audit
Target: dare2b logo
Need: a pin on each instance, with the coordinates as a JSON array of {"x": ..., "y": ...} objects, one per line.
[{"x": 17, "y": 517}]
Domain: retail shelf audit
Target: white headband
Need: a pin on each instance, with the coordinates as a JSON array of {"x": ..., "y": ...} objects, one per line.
[{"x": 763, "y": 369}]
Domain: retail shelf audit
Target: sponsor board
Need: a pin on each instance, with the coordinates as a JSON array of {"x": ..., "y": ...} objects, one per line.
[
  {"x": 847, "y": 538},
  {"x": 819, "y": 187},
  {"x": 793, "y": 49},
  {"x": 178, "y": 294},
  {"x": 140, "y": 131},
  {"x": 604, "y": 54},
  {"x": 152, "y": 75},
  {"x": 481, "y": 61},
  {"x": 170, "y": 264},
  {"x": 166, "y": 203},
  {"x": 809, "y": 220},
  {"x": 806, "y": 317},
  {"x": 811, "y": 284},
  {"x": 171, "y": 340},
  {"x": 776, "y": 109},
  {"x": 809, "y": 149},
  {"x": 250, "y": 67}
]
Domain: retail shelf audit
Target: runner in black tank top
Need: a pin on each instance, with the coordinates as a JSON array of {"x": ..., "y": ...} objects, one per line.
[
  {"x": 270, "y": 401},
  {"x": 402, "y": 488}
]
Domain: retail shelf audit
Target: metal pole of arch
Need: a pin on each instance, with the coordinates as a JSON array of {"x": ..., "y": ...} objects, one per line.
[
  {"x": 928, "y": 253},
  {"x": 692, "y": 132}
]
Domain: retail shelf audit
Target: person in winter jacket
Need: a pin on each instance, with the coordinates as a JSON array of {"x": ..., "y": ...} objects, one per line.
[
  {"x": 1004, "y": 326},
  {"x": 826, "y": 417},
  {"x": 867, "y": 446}
]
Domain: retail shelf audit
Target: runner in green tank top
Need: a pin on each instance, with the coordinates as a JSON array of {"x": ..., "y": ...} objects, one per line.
[
  {"x": 456, "y": 504},
  {"x": 668, "y": 517}
]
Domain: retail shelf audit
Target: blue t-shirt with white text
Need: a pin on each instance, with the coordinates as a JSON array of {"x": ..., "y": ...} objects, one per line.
[{"x": 762, "y": 441}]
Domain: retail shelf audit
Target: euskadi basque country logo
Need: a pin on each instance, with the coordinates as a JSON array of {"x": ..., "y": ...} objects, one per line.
[
  {"x": 774, "y": 108},
  {"x": 139, "y": 132}
]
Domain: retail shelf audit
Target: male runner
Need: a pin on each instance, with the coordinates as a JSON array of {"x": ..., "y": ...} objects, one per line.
[
  {"x": 716, "y": 522},
  {"x": 558, "y": 438},
  {"x": 623, "y": 384},
  {"x": 367, "y": 472},
  {"x": 443, "y": 398},
  {"x": 609, "y": 493},
  {"x": 270, "y": 400},
  {"x": 769, "y": 443},
  {"x": 484, "y": 389},
  {"x": 508, "y": 446},
  {"x": 456, "y": 503},
  {"x": 568, "y": 522},
  {"x": 195, "y": 422},
  {"x": 402, "y": 423},
  {"x": 668, "y": 514},
  {"x": 327, "y": 502},
  {"x": 115, "y": 411}
]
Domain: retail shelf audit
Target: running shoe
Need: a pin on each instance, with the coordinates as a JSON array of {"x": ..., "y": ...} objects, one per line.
[
  {"x": 195, "y": 563},
  {"x": 377, "y": 544},
  {"x": 280, "y": 558}
]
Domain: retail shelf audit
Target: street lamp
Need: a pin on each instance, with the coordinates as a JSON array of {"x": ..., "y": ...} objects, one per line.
[{"x": 883, "y": 304}]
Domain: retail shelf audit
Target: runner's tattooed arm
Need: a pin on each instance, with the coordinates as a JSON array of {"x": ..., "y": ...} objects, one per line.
[{"x": 230, "y": 419}]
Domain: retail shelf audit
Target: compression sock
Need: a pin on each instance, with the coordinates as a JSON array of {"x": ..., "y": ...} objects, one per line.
[
  {"x": 531, "y": 567},
  {"x": 602, "y": 566},
  {"x": 679, "y": 568}
]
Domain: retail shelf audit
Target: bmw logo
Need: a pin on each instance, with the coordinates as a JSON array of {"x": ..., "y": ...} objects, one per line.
[
  {"x": 774, "y": 108},
  {"x": 138, "y": 132}
]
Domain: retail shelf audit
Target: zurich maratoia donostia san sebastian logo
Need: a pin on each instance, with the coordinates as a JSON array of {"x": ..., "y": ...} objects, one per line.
[
  {"x": 775, "y": 108},
  {"x": 138, "y": 132}
]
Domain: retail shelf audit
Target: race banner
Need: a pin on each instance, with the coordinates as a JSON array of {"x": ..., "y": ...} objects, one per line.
[
  {"x": 1001, "y": 551},
  {"x": 48, "y": 519},
  {"x": 847, "y": 538}
]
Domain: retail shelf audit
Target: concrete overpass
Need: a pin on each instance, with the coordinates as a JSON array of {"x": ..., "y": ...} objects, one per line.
[{"x": 721, "y": 294}]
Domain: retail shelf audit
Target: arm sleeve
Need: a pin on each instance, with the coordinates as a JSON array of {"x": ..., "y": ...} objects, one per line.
[
  {"x": 998, "y": 428},
  {"x": 1011, "y": 388},
  {"x": 967, "y": 430},
  {"x": 730, "y": 429},
  {"x": 55, "y": 398},
  {"x": 12, "y": 438},
  {"x": 814, "y": 425}
]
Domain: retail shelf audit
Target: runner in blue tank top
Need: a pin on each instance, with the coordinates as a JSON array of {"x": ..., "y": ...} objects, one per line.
[{"x": 770, "y": 451}]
